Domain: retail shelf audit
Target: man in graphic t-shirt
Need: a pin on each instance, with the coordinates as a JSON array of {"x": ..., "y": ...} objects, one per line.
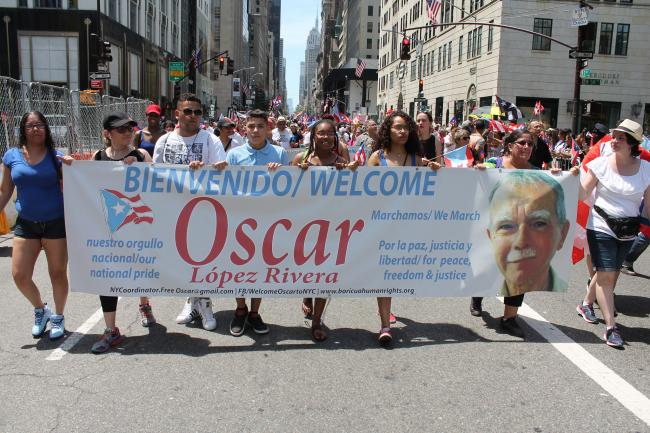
[{"x": 190, "y": 145}]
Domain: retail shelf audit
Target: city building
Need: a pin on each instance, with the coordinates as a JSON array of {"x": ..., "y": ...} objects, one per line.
[
  {"x": 56, "y": 41},
  {"x": 309, "y": 99},
  {"x": 463, "y": 66},
  {"x": 355, "y": 39}
]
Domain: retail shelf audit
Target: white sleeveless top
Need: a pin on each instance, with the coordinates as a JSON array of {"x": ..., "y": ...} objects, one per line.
[{"x": 618, "y": 196}]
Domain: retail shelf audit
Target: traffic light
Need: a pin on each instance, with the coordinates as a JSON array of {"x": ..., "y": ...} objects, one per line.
[
  {"x": 420, "y": 86},
  {"x": 105, "y": 51},
  {"x": 231, "y": 67},
  {"x": 222, "y": 62},
  {"x": 406, "y": 48}
]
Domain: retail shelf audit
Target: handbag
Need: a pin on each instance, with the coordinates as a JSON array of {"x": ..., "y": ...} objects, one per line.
[{"x": 623, "y": 227}]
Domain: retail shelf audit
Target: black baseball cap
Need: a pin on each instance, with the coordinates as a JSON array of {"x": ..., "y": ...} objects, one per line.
[
  {"x": 601, "y": 129},
  {"x": 116, "y": 119}
]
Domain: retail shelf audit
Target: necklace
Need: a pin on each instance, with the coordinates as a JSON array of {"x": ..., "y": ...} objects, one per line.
[{"x": 113, "y": 154}]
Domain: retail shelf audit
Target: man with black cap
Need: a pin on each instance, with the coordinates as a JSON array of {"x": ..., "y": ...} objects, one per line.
[
  {"x": 196, "y": 147},
  {"x": 599, "y": 132}
]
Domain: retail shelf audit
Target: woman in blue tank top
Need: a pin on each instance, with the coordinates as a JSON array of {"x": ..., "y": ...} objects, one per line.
[
  {"x": 399, "y": 146},
  {"x": 34, "y": 170}
]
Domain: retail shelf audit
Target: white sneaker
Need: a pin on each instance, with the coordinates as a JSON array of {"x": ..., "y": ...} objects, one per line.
[
  {"x": 207, "y": 316},
  {"x": 189, "y": 312}
]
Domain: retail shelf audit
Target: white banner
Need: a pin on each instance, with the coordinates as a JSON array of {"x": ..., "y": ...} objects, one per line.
[
  {"x": 163, "y": 230},
  {"x": 236, "y": 88}
]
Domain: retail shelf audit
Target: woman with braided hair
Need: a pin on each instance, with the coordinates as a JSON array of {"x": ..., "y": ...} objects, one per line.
[{"x": 321, "y": 152}]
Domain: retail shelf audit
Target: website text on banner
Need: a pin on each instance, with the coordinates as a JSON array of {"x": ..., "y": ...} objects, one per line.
[{"x": 166, "y": 230}]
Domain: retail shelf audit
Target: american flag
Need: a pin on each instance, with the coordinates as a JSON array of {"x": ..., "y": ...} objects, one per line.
[
  {"x": 360, "y": 154},
  {"x": 196, "y": 57},
  {"x": 361, "y": 65},
  {"x": 433, "y": 7},
  {"x": 245, "y": 90}
]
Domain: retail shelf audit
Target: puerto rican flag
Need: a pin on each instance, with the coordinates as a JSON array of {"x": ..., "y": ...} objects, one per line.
[
  {"x": 575, "y": 151},
  {"x": 360, "y": 155},
  {"x": 539, "y": 108},
  {"x": 461, "y": 157},
  {"x": 120, "y": 209}
]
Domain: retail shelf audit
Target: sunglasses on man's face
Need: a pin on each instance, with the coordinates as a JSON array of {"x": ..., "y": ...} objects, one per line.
[{"x": 189, "y": 112}]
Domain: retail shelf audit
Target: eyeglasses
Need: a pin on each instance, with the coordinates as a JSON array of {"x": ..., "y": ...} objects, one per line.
[
  {"x": 33, "y": 126},
  {"x": 189, "y": 112},
  {"x": 464, "y": 138},
  {"x": 124, "y": 128},
  {"x": 524, "y": 143}
]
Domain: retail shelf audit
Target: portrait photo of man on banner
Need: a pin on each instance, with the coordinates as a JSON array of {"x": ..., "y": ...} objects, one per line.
[{"x": 528, "y": 225}]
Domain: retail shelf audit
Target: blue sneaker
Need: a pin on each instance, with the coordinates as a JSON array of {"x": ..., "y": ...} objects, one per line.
[
  {"x": 57, "y": 326},
  {"x": 613, "y": 338},
  {"x": 110, "y": 338},
  {"x": 587, "y": 313},
  {"x": 41, "y": 317}
]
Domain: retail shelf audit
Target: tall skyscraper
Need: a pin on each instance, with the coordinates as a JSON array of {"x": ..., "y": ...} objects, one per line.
[{"x": 311, "y": 53}]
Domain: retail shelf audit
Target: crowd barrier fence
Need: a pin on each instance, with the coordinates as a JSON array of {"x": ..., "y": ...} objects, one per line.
[{"x": 74, "y": 116}]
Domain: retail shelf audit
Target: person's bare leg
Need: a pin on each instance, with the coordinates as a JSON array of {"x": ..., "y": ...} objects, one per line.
[
  {"x": 383, "y": 305},
  {"x": 316, "y": 328},
  {"x": 509, "y": 311},
  {"x": 605, "y": 283},
  {"x": 255, "y": 305},
  {"x": 23, "y": 259},
  {"x": 56, "y": 252}
]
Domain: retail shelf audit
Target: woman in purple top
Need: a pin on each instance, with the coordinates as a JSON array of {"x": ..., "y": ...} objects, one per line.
[{"x": 34, "y": 170}]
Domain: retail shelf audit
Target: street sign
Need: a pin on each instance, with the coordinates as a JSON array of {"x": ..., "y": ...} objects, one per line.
[
  {"x": 401, "y": 70},
  {"x": 176, "y": 71},
  {"x": 585, "y": 73},
  {"x": 591, "y": 81},
  {"x": 102, "y": 67},
  {"x": 580, "y": 17},
  {"x": 575, "y": 54},
  {"x": 420, "y": 100},
  {"x": 100, "y": 76},
  {"x": 96, "y": 84}
]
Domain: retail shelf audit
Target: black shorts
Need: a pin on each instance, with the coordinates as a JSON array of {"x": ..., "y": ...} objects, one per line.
[{"x": 53, "y": 229}]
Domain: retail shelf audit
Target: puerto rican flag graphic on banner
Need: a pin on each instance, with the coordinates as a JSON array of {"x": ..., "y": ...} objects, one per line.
[{"x": 120, "y": 209}]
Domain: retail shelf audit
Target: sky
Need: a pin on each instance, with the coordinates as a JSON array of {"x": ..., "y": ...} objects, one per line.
[{"x": 297, "y": 19}]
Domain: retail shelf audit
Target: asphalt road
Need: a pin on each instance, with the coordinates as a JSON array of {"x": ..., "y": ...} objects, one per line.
[{"x": 447, "y": 372}]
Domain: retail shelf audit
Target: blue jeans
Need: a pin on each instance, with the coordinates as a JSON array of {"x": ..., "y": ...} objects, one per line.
[
  {"x": 607, "y": 252},
  {"x": 638, "y": 247}
]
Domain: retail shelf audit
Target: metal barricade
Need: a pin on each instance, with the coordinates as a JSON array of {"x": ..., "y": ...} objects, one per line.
[
  {"x": 12, "y": 107},
  {"x": 74, "y": 117}
]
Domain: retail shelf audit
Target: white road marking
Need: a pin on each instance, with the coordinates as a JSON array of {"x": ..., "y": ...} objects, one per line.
[
  {"x": 75, "y": 337},
  {"x": 631, "y": 398}
]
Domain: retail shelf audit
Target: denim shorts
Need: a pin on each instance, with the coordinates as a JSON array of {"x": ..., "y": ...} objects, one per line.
[
  {"x": 607, "y": 252},
  {"x": 53, "y": 229}
]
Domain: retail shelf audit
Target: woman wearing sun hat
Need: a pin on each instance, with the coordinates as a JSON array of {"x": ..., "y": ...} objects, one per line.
[{"x": 621, "y": 182}]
